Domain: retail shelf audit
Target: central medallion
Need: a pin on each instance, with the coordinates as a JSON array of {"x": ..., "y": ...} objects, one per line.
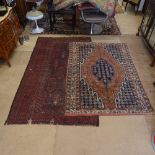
[{"x": 103, "y": 71}]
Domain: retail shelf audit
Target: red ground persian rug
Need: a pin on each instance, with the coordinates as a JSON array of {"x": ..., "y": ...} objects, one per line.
[
  {"x": 41, "y": 95},
  {"x": 102, "y": 80}
]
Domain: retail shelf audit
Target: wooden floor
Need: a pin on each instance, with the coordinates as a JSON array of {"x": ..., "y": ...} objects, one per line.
[{"x": 116, "y": 135}]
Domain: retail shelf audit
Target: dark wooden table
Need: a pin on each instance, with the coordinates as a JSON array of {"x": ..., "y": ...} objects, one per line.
[{"x": 71, "y": 11}]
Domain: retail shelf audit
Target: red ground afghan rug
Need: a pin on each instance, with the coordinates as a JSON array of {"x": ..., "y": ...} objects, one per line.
[
  {"x": 41, "y": 95},
  {"x": 102, "y": 80}
]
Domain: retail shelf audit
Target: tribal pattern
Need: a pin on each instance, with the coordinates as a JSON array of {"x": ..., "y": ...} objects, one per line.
[
  {"x": 102, "y": 79},
  {"x": 103, "y": 71}
]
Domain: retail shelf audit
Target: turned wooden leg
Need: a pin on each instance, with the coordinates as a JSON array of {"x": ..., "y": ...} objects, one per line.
[
  {"x": 153, "y": 62},
  {"x": 20, "y": 40},
  {"x": 7, "y": 60}
]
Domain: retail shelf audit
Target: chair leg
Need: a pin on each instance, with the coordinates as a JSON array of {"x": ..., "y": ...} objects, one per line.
[
  {"x": 91, "y": 29},
  {"x": 126, "y": 5},
  {"x": 136, "y": 10},
  {"x": 122, "y": 2}
]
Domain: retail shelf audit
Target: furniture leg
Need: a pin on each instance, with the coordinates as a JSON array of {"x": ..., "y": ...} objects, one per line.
[
  {"x": 8, "y": 62},
  {"x": 126, "y": 5},
  {"x": 37, "y": 29},
  {"x": 122, "y": 2},
  {"x": 137, "y": 34},
  {"x": 36, "y": 24},
  {"x": 54, "y": 20},
  {"x": 153, "y": 62},
  {"x": 50, "y": 19},
  {"x": 136, "y": 11},
  {"x": 20, "y": 40},
  {"x": 77, "y": 18},
  {"x": 74, "y": 20}
]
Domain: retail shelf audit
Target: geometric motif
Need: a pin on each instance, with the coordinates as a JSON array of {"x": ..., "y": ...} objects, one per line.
[
  {"x": 88, "y": 98},
  {"x": 103, "y": 71},
  {"x": 126, "y": 97},
  {"x": 101, "y": 80}
]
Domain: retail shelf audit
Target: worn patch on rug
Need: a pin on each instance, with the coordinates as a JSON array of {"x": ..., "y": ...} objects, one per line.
[
  {"x": 62, "y": 27},
  {"x": 102, "y": 79},
  {"x": 41, "y": 95}
]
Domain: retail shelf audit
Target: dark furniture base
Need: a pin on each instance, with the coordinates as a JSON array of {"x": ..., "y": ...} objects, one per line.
[{"x": 69, "y": 11}]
